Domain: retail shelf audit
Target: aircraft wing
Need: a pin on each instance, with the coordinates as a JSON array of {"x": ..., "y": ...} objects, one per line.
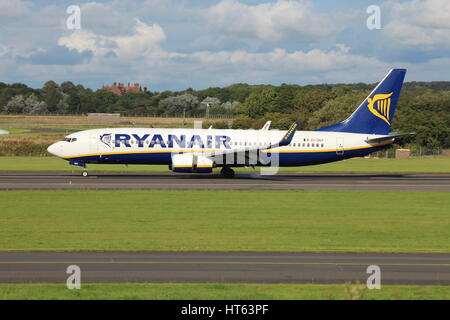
[
  {"x": 388, "y": 137},
  {"x": 245, "y": 151}
]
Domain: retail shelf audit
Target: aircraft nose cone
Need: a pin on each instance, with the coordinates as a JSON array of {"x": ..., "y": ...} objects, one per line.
[{"x": 53, "y": 149}]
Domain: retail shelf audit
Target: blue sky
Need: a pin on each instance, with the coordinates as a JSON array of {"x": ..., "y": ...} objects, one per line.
[{"x": 173, "y": 45}]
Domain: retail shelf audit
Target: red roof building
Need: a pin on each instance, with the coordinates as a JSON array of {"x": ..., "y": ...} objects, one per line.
[{"x": 120, "y": 89}]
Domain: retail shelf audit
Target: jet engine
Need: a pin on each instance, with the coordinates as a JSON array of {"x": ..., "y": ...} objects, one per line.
[{"x": 190, "y": 162}]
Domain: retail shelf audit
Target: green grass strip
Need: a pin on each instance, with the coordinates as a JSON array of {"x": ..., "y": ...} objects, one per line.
[
  {"x": 222, "y": 291},
  {"x": 351, "y": 221},
  {"x": 357, "y": 165}
]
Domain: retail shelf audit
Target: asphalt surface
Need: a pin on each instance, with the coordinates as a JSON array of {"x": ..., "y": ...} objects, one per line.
[
  {"x": 173, "y": 181},
  {"x": 223, "y": 267}
]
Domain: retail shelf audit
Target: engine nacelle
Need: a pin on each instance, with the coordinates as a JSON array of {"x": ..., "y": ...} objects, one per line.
[{"x": 189, "y": 162}]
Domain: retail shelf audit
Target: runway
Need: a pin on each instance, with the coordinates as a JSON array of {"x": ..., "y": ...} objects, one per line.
[
  {"x": 172, "y": 181},
  {"x": 223, "y": 267}
]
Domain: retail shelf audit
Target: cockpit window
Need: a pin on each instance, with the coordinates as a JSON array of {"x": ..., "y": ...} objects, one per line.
[{"x": 69, "y": 139}]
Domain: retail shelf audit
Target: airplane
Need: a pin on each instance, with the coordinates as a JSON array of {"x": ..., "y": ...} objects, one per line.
[{"x": 365, "y": 131}]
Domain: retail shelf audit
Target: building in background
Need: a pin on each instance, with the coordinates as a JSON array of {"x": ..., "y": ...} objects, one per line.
[
  {"x": 120, "y": 89},
  {"x": 402, "y": 153}
]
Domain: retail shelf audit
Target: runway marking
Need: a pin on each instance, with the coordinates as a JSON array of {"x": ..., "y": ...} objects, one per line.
[
  {"x": 218, "y": 184},
  {"x": 234, "y": 263}
]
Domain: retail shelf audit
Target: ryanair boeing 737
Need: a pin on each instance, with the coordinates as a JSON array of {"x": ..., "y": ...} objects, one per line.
[{"x": 200, "y": 150}]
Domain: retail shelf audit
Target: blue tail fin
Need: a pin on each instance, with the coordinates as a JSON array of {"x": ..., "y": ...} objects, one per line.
[{"x": 375, "y": 114}]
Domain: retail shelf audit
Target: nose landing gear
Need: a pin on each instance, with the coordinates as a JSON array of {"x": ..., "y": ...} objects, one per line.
[{"x": 80, "y": 164}]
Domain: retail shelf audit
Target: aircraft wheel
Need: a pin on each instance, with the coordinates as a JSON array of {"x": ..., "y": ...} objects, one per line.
[
  {"x": 227, "y": 172},
  {"x": 85, "y": 173}
]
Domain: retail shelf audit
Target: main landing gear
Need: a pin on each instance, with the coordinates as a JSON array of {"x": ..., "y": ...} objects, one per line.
[
  {"x": 227, "y": 172},
  {"x": 85, "y": 173}
]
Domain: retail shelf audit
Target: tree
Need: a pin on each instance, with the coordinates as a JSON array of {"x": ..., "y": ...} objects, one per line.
[
  {"x": 15, "y": 105},
  {"x": 52, "y": 95},
  {"x": 63, "y": 105},
  {"x": 210, "y": 102},
  {"x": 103, "y": 99},
  {"x": 259, "y": 103},
  {"x": 279, "y": 121},
  {"x": 230, "y": 106},
  {"x": 185, "y": 103},
  {"x": 34, "y": 106},
  {"x": 74, "y": 102},
  {"x": 426, "y": 113},
  {"x": 310, "y": 100},
  {"x": 67, "y": 87},
  {"x": 242, "y": 122},
  {"x": 215, "y": 125},
  {"x": 336, "y": 110}
]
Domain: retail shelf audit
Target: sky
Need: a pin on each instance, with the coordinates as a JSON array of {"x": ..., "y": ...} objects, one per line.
[{"x": 174, "y": 45}]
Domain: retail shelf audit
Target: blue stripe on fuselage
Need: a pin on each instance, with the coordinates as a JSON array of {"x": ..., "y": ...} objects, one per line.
[{"x": 291, "y": 158}]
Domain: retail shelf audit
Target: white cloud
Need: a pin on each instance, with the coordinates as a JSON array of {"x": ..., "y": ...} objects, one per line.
[
  {"x": 419, "y": 22},
  {"x": 270, "y": 21},
  {"x": 279, "y": 60},
  {"x": 141, "y": 42},
  {"x": 175, "y": 45}
]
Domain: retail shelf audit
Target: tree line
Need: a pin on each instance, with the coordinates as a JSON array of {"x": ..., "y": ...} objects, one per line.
[{"x": 423, "y": 107}]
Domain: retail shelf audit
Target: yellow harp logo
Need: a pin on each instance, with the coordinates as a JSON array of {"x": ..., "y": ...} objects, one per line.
[{"x": 380, "y": 106}]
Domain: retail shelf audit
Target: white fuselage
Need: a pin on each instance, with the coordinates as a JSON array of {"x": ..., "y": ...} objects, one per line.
[{"x": 155, "y": 146}]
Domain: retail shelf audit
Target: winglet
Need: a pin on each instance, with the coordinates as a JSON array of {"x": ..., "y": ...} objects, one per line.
[
  {"x": 266, "y": 125},
  {"x": 289, "y": 134}
]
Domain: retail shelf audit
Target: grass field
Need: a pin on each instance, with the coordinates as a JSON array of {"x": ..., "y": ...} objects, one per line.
[
  {"x": 357, "y": 165},
  {"x": 351, "y": 221},
  {"x": 222, "y": 291}
]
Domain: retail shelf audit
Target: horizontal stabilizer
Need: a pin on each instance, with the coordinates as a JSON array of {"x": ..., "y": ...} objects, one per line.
[{"x": 387, "y": 138}]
